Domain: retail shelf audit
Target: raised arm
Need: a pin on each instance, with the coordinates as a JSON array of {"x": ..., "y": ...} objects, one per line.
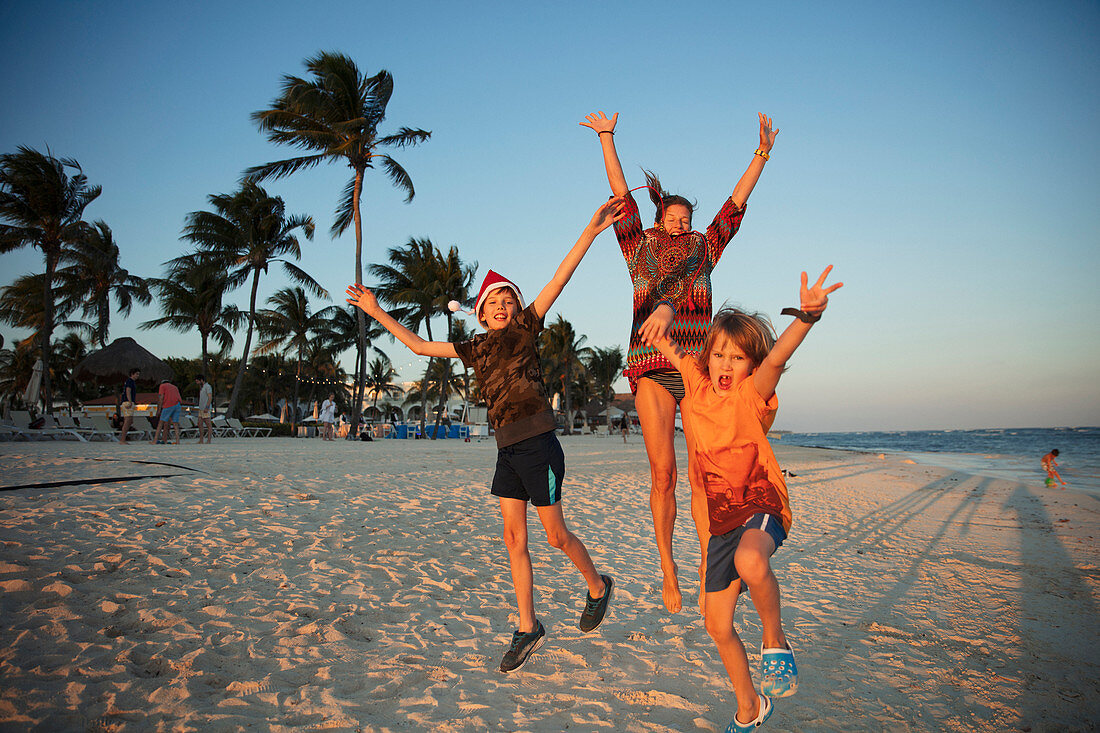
[
  {"x": 364, "y": 299},
  {"x": 605, "y": 128},
  {"x": 813, "y": 300},
  {"x": 748, "y": 181},
  {"x": 604, "y": 217},
  {"x": 672, "y": 351}
]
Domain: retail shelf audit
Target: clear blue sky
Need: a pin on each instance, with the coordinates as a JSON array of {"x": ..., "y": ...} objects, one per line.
[{"x": 943, "y": 156}]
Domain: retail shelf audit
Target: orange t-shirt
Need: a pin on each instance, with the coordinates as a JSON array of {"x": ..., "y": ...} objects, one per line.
[{"x": 739, "y": 470}]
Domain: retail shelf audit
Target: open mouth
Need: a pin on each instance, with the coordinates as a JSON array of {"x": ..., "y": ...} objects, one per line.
[{"x": 725, "y": 381}]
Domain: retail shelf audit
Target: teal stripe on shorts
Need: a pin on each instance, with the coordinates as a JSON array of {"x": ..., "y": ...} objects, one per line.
[{"x": 553, "y": 486}]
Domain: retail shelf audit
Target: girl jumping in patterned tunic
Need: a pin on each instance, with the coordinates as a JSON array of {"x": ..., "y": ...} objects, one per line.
[{"x": 670, "y": 267}]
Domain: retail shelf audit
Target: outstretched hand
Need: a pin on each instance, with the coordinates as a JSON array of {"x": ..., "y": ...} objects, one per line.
[
  {"x": 767, "y": 134},
  {"x": 655, "y": 329},
  {"x": 608, "y": 214},
  {"x": 598, "y": 121},
  {"x": 362, "y": 298},
  {"x": 816, "y": 298}
]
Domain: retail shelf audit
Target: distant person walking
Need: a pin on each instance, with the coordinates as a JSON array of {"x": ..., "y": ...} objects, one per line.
[
  {"x": 1050, "y": 463},
  {"x": 328, "y": 417},
  {"x": 129, "y": 402},
  {"x": 206, "y": 405},
  {"x": 168, "y": 411}
]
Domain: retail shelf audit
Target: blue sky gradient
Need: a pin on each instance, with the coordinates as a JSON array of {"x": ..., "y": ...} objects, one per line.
[{"x": 943, "y": 156}]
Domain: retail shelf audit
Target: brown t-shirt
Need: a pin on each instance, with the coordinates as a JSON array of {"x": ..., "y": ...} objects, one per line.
[{"x": 506, "y": 363}]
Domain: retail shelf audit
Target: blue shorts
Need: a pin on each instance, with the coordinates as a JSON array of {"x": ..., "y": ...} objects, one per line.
[
  {"x": 721, "y": 548},
  {"x": 531, "y": 470},
  {"x": 170, "y": 414}
]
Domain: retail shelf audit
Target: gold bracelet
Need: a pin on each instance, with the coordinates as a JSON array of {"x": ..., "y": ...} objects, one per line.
[{"x": 762, "y": 154}]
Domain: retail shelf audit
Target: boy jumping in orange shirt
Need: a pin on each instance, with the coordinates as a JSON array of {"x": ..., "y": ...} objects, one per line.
[{"x": 730, "y": 415}]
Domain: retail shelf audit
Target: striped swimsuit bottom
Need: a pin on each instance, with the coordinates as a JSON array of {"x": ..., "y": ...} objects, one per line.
[{"x": 670, "y": 379}]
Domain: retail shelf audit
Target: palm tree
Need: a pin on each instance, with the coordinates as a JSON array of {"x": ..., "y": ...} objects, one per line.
[
  {"x": 289, "y": 325},
  {"x": 92, "y": 274},
  {"x": 268, "y": 379},
  {"x": 379, "y": 381},
  {"x": 21, "y": 307},
  {"x": 462, "y": 332},
  {"x": 408, "y": 284},
  {"x": 246, "y": 233},
  {"x": 336, "y": 115},
  {"x": 605, "y": 366},
  {"x": 453, "y": 281},
  {"x": 68, "y": 352},
  {"x": 192, "y": 299},
  {"x": 324, "y": 372},
  {"x": 442, "y": 383},
  {"x": 341, "y": 332},
  {"x": 562, "y": 351},
  {"x": 42, "y": 206},
  {"x": 15, "y": 370}
]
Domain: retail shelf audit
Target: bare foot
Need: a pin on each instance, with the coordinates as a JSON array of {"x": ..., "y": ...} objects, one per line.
[{"x": 670, "y": 592}]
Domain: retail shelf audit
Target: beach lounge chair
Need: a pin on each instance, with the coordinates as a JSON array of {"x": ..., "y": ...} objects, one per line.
[
  {"x": 247, "y": 432},
  {"x": 66, "y": 422},
  {"x": 223, "y": 429},
  {"x": 21, "y": 419},
  {"x": 11, "y": 432},
  {"x": 188, "y": 427},
  {"x": 54, "y": 425},
  {"x": 103, "y": 429}
]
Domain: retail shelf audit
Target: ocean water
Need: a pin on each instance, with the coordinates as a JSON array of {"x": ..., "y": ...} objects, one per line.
[{"x": 1006, "y": 453}]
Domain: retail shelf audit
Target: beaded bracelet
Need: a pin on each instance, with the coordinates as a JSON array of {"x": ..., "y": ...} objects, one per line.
[{"x": 762, "y": 154}]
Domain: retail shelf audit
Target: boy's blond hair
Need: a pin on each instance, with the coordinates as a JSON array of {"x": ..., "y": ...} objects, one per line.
[{"x": 752, "y": 332}]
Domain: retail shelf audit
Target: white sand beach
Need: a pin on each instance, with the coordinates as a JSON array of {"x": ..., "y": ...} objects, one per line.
[{"x": 288, "y": 584}]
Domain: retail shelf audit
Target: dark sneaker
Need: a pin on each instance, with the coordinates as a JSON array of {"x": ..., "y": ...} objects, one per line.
[
  {"x": 595, "y": 608},
  {"x": 522, "y": 646}
]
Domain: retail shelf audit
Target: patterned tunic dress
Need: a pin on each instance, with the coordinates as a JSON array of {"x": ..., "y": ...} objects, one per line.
[{"x": 675, "y": 270}]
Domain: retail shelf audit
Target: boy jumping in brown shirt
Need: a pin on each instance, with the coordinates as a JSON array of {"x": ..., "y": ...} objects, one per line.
[{"x": 530, "y": 461}]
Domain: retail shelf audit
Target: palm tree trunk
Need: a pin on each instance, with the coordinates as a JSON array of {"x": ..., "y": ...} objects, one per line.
[
  {"x": 206, "y": 358},
  {"x": 424, "y": 383},
  {"x": 297, "y": 381},
  {"x": 231, "y": 410},
  {"x": 360, "y": 371},
  {"x": 442, "y": 387},
  {"x": 568, "y": 389},
  {"x": 206, "y": 373},
  {"x": 47, "y": 327}
]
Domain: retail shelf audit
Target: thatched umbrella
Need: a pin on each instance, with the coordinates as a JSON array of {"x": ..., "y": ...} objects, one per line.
[{"x": 113, "y": 364}]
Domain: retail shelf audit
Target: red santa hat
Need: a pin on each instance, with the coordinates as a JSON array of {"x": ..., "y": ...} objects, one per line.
[{"x": 495, "y": 281}]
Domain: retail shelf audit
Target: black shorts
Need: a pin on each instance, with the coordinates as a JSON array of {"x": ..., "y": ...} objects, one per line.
[
  {"x": 721, "y": 548},
  {"x": 531, "y": 470},
  {"x": 670, "y": 379}
]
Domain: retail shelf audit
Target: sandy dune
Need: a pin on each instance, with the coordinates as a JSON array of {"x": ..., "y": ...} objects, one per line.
[{"x": 288, "y": 585}]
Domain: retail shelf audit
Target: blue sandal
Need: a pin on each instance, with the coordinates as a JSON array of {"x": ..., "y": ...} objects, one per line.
[
  {"x": 766, "y": 710},
  {"x": 778, "y": 672}
]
